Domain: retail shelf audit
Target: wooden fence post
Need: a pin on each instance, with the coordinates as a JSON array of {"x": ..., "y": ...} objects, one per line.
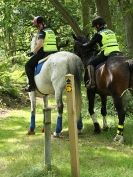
[
  {"x": 47, "y": 136},
  {"x": 72, "y": 123}
]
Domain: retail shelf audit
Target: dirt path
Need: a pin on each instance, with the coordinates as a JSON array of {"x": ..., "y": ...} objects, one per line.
[{"x": 4, "y": 113}]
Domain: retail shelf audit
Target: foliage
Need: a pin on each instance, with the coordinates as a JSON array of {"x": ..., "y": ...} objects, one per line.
[
  {"x": 128, "y": 101},
  {"x": 16, "y": 29},
  {"x": 11, "y": 78},
  {"x": 16, "y": 26},
  {"x": 23, "y": 156}
]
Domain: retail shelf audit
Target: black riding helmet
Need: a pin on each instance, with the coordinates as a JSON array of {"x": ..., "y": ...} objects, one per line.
[
  {"x": 37, "y": 20},
  {"x": 98, "y": 21}
]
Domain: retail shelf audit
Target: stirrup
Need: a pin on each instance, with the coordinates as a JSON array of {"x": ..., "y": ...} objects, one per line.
[{"x": 29, "y": 88}]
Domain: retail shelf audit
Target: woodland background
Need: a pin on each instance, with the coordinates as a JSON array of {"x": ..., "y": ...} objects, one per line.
[
  {"x": 22, "y": 155},
  {"x": 64, "y": 17}
]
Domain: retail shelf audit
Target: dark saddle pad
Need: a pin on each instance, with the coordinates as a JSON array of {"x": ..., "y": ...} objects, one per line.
[{"x": 113, "y": 54}]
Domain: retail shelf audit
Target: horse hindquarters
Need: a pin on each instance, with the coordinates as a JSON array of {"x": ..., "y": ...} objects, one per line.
[{"x": 121, "y": 80}]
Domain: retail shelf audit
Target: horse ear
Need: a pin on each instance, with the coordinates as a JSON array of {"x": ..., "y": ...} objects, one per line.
[
  {"x": 88, "y": 36},
  {"x": 74, "y": 37}
]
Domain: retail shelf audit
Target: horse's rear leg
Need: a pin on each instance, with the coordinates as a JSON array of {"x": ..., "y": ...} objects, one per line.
[
  {"x": 59, "y": 102},
  {"x": 91, "y": 99},
  {"x": 45, "y": 102},
  {"x": 31, "y": 130},
  {"x": 104, "y": 111},
  {"x": 121, "y": 116}
]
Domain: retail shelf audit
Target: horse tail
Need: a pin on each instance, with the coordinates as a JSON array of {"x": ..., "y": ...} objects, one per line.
[
  {"x": 75, "y": 68},
  {"x": 128, "y": 93},
  {"x": 78, "y": 94},
  {"x": 130, "y": 63}
]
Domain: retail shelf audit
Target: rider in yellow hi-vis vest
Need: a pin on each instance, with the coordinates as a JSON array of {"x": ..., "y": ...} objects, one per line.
[
  {"x": 106, "y": 39},
  {"x": 49, "y": 41},
  {"x": 45, "y": 45},
  {"x": 109, "y": 41}
]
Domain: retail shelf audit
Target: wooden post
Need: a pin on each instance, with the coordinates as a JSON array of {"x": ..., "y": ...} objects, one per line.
[
  {"x": 72, "y": 123},
  {"x": 47, "y": 136}
]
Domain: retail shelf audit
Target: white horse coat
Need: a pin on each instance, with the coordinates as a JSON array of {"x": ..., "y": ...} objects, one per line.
[{"x": 51, "y": 80}]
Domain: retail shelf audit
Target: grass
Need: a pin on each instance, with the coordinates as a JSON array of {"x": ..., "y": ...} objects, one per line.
[{"x": 23, "y": 156}]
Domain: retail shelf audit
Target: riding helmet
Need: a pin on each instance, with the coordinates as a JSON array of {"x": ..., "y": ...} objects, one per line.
[
  {"x": 98, "y": 21},
  {"x": 37, "y": 20}
]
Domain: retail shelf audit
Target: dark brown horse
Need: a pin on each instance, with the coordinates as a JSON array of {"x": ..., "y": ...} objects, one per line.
[{"x": 112, "y": 78}]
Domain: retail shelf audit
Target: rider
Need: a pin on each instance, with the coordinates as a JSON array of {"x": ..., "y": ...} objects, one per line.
[
  {"x": 107, "y": 42},
  {"x": 45, "y": 45}
]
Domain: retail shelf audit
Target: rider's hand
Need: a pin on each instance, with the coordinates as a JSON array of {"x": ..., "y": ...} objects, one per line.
[{"x": 29, "y": 54}]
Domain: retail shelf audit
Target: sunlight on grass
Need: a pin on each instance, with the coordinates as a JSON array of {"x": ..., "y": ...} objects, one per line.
[{"x": 23, "y": 156}]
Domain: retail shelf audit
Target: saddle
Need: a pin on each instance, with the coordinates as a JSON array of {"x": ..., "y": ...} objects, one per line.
[
  {"x": 40, "y": 64},
  {"x": 111, "y": 55}
]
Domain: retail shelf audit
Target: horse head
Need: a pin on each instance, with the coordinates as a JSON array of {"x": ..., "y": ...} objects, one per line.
[{"x": 84, "y": 52}]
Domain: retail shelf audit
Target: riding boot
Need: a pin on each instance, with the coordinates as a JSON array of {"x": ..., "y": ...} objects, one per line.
[
  {"x": 31, "y": 83},
  {"x": 91, "y": 73}
]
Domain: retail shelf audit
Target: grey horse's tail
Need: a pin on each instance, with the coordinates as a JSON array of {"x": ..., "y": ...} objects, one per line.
[{"x": 76, "y": 69}]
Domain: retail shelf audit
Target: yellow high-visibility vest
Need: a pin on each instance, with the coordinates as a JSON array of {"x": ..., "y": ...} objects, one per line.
[
  {"x": 49, "y": 41},
  {"x": 109, "y": 42}
]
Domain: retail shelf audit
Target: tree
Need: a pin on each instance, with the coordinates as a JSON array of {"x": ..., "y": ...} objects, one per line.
[
  {"x": 104, "y": 11},
  {"x": 85, "y": 11},
  {"x": 66, "y": 15},
  {"x": 127, "y": 11}
]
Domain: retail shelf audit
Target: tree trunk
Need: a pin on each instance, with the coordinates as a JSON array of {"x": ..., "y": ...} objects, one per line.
[
  {"x": 85, "y": 16},
  {"x": 129, "y": 32},
  {"x": 104, "y": 11},
  {"x": 127, "y": 11},
  {"x": 67, "y": 17}
]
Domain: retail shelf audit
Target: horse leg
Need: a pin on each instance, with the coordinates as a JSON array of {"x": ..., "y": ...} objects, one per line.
[
  {"x": 31, "y": 130},
  {"x": 104, "y": 111},
  {"x": 121, "y": 116},
  {"x": 59, "y": 102},
  {"x": 78, "y": 105},
  {"x": 45, "y": 101},
  {"x": 79, "y": 124},
  {"x": 91, "y": 99}
]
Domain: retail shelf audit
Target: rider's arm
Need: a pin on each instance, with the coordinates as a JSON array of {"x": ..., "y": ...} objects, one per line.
[
  {"x": 38, "y": 46},
  {"x": 40, "y": 42},
  {"x": 95, "y": 39}
]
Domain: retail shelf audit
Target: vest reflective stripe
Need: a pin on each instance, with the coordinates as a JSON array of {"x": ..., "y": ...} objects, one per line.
[
  {"x": 109, "y": 42},
  {"x": 49, "y": 41}
]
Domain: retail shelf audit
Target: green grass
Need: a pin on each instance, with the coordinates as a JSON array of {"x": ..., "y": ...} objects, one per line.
[{"x": 23, "y": 156}]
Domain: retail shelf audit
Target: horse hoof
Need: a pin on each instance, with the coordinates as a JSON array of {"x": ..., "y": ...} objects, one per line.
[
  {"x": 43, "y": 130},
  {"x": 31, "y": 132},
  {"x": 79, "y": 132},
  {"x": 105, "y": 128},
  {"x": 56, "y": 135},
  {"x": 119, "y": 139},
  {"x": 97, "y": 128}
]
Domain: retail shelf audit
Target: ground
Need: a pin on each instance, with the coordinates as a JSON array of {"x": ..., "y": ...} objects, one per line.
[{"x": 23, "y": 156}]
